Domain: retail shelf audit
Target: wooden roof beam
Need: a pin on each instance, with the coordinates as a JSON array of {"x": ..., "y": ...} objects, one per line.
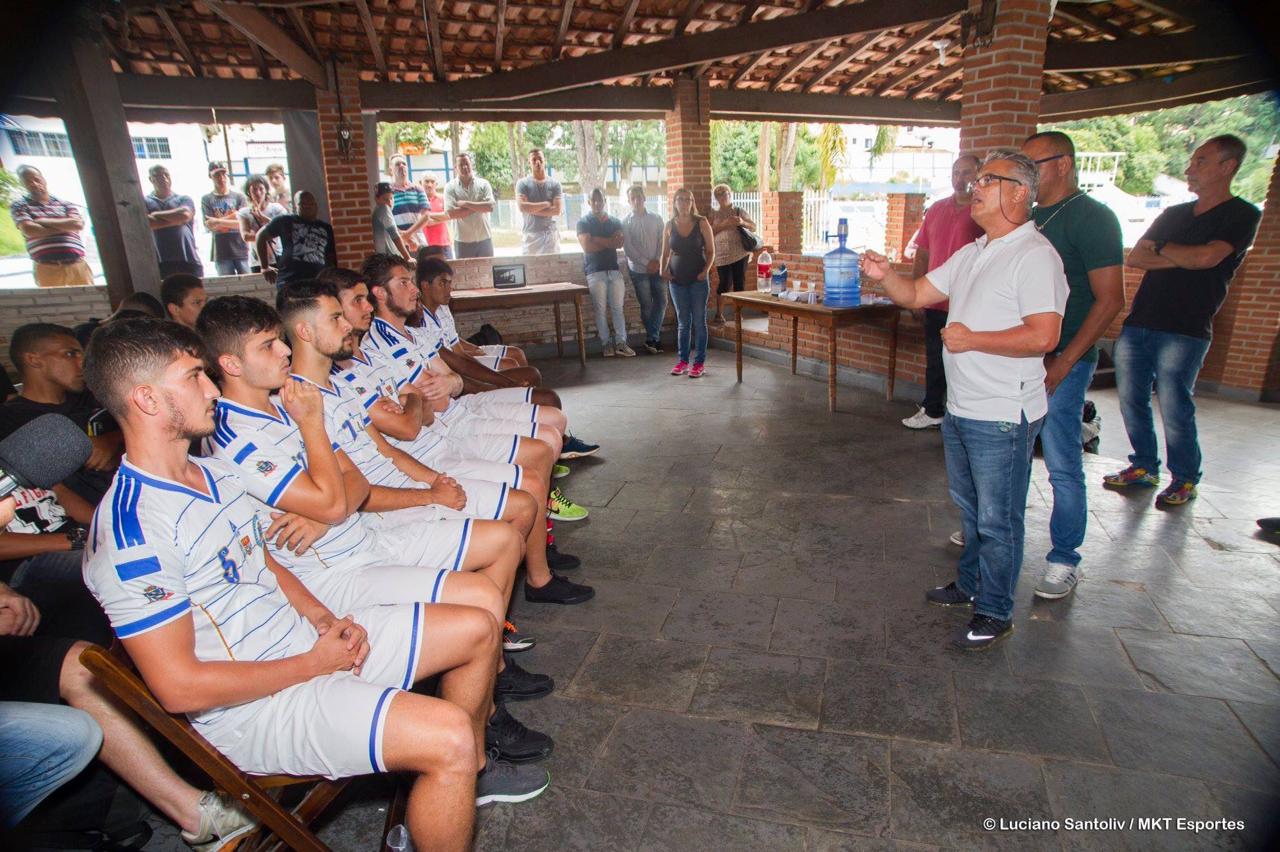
[
  {"x": 751, "y": 65},
  {"x": 928, "y": 86},
  {"x": 299, "y": 22},
  {"x": 1091, "y": 21},
  {"x": 181, "y": 43},
  {"x": 624, "y": 23},
  {"x": 566, "y": 15},
  {"x": 1221, "y": 81},
  {"x": 923, "y": 35},
  {"x": 906, "y": 74},
  {"x": 637, "y": 60},
  {"x": 840, "y": 61},
  {"x": 748, "y": 12},
  {"x": 686, "y": 17},
  {"x": 1200, "y": 45},
  {"x": 794, "y": 65},
  {"x": 500, "y": 27},
  {"x": 375, "y": 44},
  {"x": 264, "y": 32}
]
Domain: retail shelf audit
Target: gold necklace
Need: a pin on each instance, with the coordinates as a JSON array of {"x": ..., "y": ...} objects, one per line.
[{"x": 1064, "y": 206}]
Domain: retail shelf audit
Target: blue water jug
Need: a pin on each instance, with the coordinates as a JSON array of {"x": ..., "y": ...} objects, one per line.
[
  {"x": 778, "y": 282},
  {"x": 842, "y": 287}
]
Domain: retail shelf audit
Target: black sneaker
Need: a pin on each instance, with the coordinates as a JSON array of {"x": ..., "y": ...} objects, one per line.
[
  {"x": 652, "y": 347},
  {"x": 515, "y": 743},
  {"x": 502, "y": 781},
  {"x": 558, "y": 561},
  {"x": 948, "y": 595},
  {"x": 560, "y": 590},
  {"x": 516, "y": 684},
  {"x": 982, "y": 632}
]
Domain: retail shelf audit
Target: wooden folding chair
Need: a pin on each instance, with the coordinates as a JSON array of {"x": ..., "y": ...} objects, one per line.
[{"x": 278, "y": 825}]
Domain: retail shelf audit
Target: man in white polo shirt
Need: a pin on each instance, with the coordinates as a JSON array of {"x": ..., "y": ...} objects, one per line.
[{"x": 1008, "y": 293}]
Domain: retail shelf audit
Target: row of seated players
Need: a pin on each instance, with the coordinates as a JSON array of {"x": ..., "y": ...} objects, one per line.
[{"x": 225, "y": 576}]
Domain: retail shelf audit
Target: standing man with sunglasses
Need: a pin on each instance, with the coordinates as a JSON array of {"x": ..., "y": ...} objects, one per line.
[
  {"x": 1087, "y": 237},
  {"x": 1007, "y": 293}
]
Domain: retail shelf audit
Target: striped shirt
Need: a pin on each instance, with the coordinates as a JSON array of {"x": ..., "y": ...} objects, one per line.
[
  {"x": 406, "y": 354},
  {"x": 369, "y": 379},
  {"x": 347, "y": 422},
  {"x": 159, "y": 551},
  {"x": 54, "y": 248},
  {"x": 407, "y": 204},
  {"x": 440, "y": 325}
]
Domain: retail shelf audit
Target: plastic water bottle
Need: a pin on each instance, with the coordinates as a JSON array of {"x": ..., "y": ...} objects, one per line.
[
  {"x": 398, "y": 839},
  {"x": 778, "y": 283},
  {"x": 842, "y": 287},
  {"x": 764, "y": 264}
]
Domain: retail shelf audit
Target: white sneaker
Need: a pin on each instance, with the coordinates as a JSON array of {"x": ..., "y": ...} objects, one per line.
[
  {"x": 957, "y": 538},
  {"x": 607, "y": 350},
  {"x": 624, "y": 350},
  {"x": 220, "y": 823},
  {"x": 1058, "y": 581},
  {"x": 920, "y": 420}
]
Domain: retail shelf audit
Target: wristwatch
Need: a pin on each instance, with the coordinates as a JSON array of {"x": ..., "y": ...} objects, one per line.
[
  {"x": 77, "y": 535},
  {"x": 1159, "y": 246}
]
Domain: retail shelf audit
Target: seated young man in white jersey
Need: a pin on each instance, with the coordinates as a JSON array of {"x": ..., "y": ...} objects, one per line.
[
  {"x": 221, "y": 632},
  {"x": 352, "y": 543},
  {"x": 398, "y": 413},
  {"x": 502, "y": 358}
]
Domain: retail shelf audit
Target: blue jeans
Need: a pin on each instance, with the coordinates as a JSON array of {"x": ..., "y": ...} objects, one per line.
[
  {"x": 988, "y": 473},
  {"x": 1173, "y": 361},
  {"x": 232, "y": 266},
  {"x": 691, "y": 318},
  {"x": 608, "y": 294},
  {"x": 1064, "y": 459},
  {"x": 42, "y": 747},
  {"x": 651, "y": 293}
]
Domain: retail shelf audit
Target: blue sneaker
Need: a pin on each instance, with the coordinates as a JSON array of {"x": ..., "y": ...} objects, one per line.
[{"x": 576, "y": 448}]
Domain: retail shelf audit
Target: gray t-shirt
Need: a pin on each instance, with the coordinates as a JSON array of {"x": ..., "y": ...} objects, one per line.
[
  {"x": 539, "y": 190},
  {"x": 642, "y": 239},
  {"x": 227, "y": 245},
  {"x": 384, "y": 231},
  {"x": 473, "y": 228},
  {"x": 175, "y": 244}
]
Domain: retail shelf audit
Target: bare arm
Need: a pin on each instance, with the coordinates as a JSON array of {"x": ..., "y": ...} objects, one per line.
[
  {"x": 665, "y": 257},
  {"x": 1035, "y": 335},
  {"x": 401, "y": 420},
  {"x": 25, "y": 545},
  {"x": 1206, "y": 256},
  {"x": 709, "y": 242},
  {"x": 920, "y": 266},
  {"x": 318, "y": 491},
  {"x": 76, "y": 507},
  {"x": 168, "y": 218},
  {"x": 47, "y": 227},
  {"x": 907, "y": 292},
  {"x": 533, "y": 208},
  {"x": 1107, "y": 285}
]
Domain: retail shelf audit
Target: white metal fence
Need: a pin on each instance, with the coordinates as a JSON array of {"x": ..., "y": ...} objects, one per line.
[{"x": 815, "y": 220}]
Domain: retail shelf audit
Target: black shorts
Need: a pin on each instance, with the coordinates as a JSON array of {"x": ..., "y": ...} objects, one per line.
[
  {"x": 733, "y": 277},
  {"x": 32, "y": 667}
]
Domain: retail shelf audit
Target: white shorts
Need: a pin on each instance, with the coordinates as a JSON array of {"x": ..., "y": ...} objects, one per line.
[
  {"x": 502, "y": 404},
  {"x": 459, "y": 420},
  {"x": 490, "y": 457},
  {"x": 330, "y": 726},
  {"x": 493, "y": 355}
]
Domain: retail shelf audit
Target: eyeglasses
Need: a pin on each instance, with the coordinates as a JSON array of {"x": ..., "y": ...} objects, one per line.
[
  {"x": 1043, "y": 160},
  {"x": 988, "y": 179}
]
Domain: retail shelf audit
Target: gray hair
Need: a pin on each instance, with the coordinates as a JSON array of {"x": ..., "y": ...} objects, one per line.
[
  {"x": 1025, "y": 171},
  {"x": 25, "y": 169}
]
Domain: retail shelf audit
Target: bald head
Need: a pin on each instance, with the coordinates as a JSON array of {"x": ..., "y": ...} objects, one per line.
[{"x": 1054, "y": 154}]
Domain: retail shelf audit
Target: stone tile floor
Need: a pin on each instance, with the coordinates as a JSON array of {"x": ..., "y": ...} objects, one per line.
[{"x": 759, "y": 669}]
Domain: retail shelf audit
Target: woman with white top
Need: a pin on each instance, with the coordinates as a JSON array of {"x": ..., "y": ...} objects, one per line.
[{"x": 731, "y": 256}]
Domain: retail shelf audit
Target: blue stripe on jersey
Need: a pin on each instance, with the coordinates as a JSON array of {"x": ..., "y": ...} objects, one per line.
[
  {"x": 370, "y": 401},
  {"x": 515, "y": 445},
  {"x": 136, "y": 568},
  {"x": 125, "y": 522},
  {"x": 519, "y": 471},
  {"x": 373, "y": 729},
  {"x": 502, "y": 503},
  {"x": 438, "y": 586},
  {"x": 279, "y": 490},
  {"x": 413, "y": 648},
  {"x": 142, "y": 625},
  {"x": 401, "y": 351},
  {"x": 462, "y": 547},
  {"x": 245, "y": 451}
]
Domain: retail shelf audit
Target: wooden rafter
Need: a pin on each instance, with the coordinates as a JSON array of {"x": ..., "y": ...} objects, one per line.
[
  {"x": 795, "y": 64},
  {"x": 751, "y": 65},
  {"x": 431, "y": 20},
  {"x": 1227, "y": 80},
  {"x": 259, "y": 61},
  {"x": 923, "y": 35},
  {"x": 1091, "y": 21},
  {"x": 299, "y": 22},
  {"x": 624, "y": 23},
  {"x": 1172, "y": 9},
  {"x": 906, "y": 74},
  {"x": 840, "y": 61},
  {"x": 500, "y": 27},
  {"x": 943, "y": 76},
  {"x": 265, "y": 33},
  {"x": 1199, "y": 45},
  {"x": 686, "y": 17},
  {"x": 375, "y": 43},
  {"x": 566, "y": 16},
  {"x": 748, "y": 12},
  {"x": 179, "y": 41}
]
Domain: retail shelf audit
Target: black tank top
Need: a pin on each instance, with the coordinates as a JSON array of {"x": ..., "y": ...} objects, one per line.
[{"x": 688, "y": 254}]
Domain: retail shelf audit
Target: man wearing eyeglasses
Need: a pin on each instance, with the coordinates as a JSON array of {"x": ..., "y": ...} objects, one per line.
[
  {"x": 1086, "y": 235},
  {"x": 1008, "y": 293},
  {"x": 1189, "y": 253}
]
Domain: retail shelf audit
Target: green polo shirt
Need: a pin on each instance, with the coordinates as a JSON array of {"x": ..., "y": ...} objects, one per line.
[{"x": 1087, "y": 236}]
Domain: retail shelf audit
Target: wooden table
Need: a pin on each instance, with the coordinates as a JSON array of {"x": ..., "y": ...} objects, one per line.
[
  {"x": 489, "y": 298},
  {"x": 830, "y": 318}
]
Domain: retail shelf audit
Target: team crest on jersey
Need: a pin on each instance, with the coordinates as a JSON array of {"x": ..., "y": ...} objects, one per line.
[
  {"x": 360, "y": 389},
  {"x": 246, "y": 545},
  {"x": 409, "y": 362},
  {"x": 266, "y": 468},
  {"x": 155, "y": 594}
]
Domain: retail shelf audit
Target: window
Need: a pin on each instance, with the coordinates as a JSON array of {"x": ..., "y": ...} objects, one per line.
[
  {"x": 34, "y": 143},
  {"x": 151, "y": 148}
]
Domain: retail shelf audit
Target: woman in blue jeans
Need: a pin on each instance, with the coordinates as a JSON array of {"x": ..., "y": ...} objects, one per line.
[{"x": 688, "y": 252}]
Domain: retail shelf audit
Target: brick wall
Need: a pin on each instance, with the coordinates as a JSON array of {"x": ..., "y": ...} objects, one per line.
[
  {"x": 689, "y": 141},
  {"x": 1000, "y": 98},
  {"x": 345, "y": 178},
  {"x": 904, "y": 214}
]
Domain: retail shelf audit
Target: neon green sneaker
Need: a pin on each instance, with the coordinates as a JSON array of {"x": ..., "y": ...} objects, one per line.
[
  {"x": 564, "y": 509},
  {"x": 559, "y": 471}
]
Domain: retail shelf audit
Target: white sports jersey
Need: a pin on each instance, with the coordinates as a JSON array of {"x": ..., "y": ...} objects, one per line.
[
  {"x": 159, "y": 550},
  {"x": 404, "y": 353},
  {"x": 439, "y": 326},
  {"x": 268, "y": 453},
  {"x": 345, "y": 420},
  {"x": 369, "y": 379}
]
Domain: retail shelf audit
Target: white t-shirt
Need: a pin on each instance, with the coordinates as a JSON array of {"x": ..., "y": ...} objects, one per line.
[
  {"x": 346, "y": 420},
  {"x": 441, "y": 325},
  {"x": 992, "y": 285}
]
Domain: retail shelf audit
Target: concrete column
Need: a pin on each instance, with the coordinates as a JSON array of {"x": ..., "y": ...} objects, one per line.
[
  {"x": 905, "y": 213},
  {"x": 1000, "y": 98},
  {"x": 346, "y": 177},
  {"x": 89, "y": 102},
  {"x": 1244, "y": 361},
  {"x": 689, "y": 142}
]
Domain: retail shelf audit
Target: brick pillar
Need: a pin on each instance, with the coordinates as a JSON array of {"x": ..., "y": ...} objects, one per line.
[
  {"x": 345, "y": 178},
  {"x": 1000, "y": 99},
  {"x": 1245, "y": 357},
  {"x": 689, "y": 142},
  {"x": 904, "y": 215},
  {"x": 783, "y": 221}
]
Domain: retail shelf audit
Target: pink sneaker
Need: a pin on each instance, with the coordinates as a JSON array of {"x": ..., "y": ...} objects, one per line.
[
  {"x": 695, "y": 372},
  {"x": 680, "y": 368}
]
